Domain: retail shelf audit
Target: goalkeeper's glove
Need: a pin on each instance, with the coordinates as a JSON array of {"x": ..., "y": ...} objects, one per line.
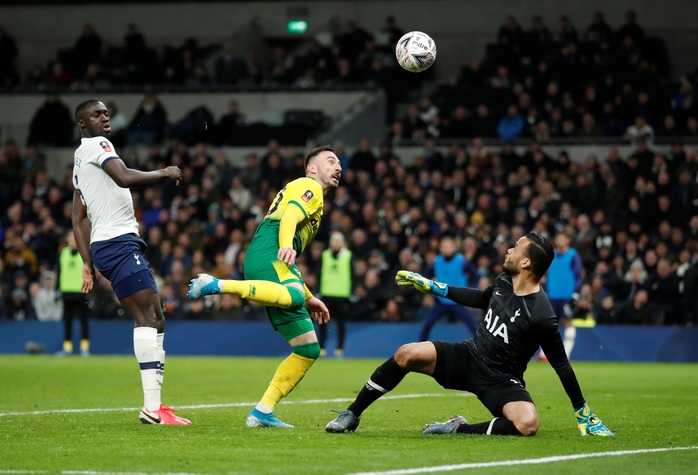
[
  {"x": 589, "y": 424},
  {"x": 405, "y": 278}
]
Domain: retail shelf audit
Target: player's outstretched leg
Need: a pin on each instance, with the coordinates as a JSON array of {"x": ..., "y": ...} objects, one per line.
[
  {"x": 345, "y": 421},
  {"x": 270, "y": 294},
  {"x": 448, "y": 427}
]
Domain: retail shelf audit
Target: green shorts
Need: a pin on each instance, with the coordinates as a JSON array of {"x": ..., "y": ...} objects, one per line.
[{"x": 261, "y": 263}]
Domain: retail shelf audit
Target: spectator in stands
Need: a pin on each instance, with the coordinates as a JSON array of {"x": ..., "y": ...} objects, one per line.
[
  {"x": 630, "y": 29},
  {"x": 639, "y": 130},
  {"x": 512, "y": 125},
  {"x": 565, "y": 33},
  {"x": 537, "y": 41},
  {"x": 46, "y": 299},
  {"x": 583, "y": 306},
  {"x": 636, "y": 311},
  {"x": 510, "y": 37},
  {"x": 599, "y": 31},
  {"x": 21, "y": 308},
  {"x": 149, "y": 123},
  {"x": 589, "y": 129},
  {"x": 664, "y": 295},
  {"x": 228, "y": 67},
  {"x": 372, "y": 297},
  {"x": 197, "y": 126},
  {"x": 20, "y": 258},
  {"x": 58, "y": 76},
  {"x": 8, "y": 54},
  {"x": 52, "y": 124},
  {"x": 363, "y": 159},
  {"x": 231, "y": 125},
  {"x": 85, "y": 50},
  {"x": 392, "y": 30}
]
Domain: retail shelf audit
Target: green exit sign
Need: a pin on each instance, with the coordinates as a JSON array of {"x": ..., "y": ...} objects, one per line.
[{"x": 297, "y": 27}]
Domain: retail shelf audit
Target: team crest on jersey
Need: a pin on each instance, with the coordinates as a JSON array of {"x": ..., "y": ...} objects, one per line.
[
  {"x": 105, "y": 146},
  {"x": 307, "y": 196}
]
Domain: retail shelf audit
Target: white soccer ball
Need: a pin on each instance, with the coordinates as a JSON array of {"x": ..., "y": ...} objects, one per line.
[{"x": 415, "y": 51}]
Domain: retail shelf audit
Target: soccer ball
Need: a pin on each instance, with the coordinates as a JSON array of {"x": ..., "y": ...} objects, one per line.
[{"x": 415, "y": 51}]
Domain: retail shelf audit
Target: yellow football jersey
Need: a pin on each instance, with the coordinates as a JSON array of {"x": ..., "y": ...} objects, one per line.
[{"x": 306, "y": 193}]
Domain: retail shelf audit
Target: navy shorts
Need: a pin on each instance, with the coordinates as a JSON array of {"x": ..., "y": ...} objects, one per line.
[
  {"x": 121, "y": 262},
  {"x": 457, "y": 368}
]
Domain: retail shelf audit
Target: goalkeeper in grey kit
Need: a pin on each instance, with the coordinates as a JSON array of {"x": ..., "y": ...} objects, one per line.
[{"x": 518, "y": 319}]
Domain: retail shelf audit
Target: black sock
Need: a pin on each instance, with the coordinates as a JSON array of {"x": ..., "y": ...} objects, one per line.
[
  {"x": 387, "y": 376},
  {"x": 500, "y": 426}
]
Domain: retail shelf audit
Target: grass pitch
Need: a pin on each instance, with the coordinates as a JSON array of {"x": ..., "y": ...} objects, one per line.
[{"x": 80, "y": 416}]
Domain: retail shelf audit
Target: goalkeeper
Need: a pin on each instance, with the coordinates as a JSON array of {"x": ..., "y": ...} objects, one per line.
[{"x": 518, "y": 319}]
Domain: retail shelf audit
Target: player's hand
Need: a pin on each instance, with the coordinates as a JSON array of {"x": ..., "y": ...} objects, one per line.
[
  {"x": 88, "y": 277},
  {"x": 287, "y": 254},
  {"x": 589, "y": 424},
  {"x": 405, "y": 278},
  {"x": 317, "y": 310},
  {"x": 173, "y": 173}
]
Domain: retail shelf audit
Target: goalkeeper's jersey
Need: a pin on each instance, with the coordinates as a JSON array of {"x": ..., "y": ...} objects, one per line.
[
  {"x": 306, "y": 194},
  {"x": 511, "y": 332}
]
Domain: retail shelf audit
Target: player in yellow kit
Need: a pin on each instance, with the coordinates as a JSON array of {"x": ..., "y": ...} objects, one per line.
[{"x": 273, "y": 279}]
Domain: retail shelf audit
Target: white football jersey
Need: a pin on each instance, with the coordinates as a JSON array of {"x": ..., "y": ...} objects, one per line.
[{"x": 109, "y": 207}]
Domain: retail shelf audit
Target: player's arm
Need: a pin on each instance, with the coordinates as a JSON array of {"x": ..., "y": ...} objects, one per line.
[
  {"x": 470, "y": 297},
  {"x": 126, "y": 177},
  {"x": 463, "y": 295},
  {"x": 587, "y": 422},
  {"x": 82, "y": 229},
  {"x": 293, "y": 215}
]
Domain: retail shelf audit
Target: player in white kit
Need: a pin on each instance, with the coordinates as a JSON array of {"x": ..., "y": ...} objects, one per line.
[{"x": 106, "y": 232}]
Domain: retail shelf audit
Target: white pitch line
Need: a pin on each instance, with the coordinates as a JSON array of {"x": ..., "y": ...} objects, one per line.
[
  {"x": 536, "y": 461},
  {"x": 214, "y": 406},
  {"x": 441, "y": 468}
]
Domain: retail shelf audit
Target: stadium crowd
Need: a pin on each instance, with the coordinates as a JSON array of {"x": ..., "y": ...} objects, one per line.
[
  {"x": 632, "y": 218},
  {"x": 537, "y": 82}
]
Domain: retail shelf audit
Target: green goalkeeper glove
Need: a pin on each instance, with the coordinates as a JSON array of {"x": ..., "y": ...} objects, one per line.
[
  {"x": 589, "y": 424},
  {"x": 405, "y": 278}
]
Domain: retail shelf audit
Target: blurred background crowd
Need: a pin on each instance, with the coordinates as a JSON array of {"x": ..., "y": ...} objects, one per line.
[
  {"x": 539, "y": 82},
  {"x": 480, "y": 171}
]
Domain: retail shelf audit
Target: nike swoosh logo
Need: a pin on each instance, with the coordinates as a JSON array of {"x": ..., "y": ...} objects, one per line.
[{"x": 497, "y": 292}]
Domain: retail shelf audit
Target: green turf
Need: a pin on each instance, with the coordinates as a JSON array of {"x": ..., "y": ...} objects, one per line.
[{"x": 647, "y": 405}]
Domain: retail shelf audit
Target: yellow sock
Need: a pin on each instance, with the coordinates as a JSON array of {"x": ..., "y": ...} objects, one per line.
[
  {"x": 260, "y": 291},
  {"x": 287, "y": 376},
  {"x": 68, "y": 346},
  {"x": 84, "y": 345}
]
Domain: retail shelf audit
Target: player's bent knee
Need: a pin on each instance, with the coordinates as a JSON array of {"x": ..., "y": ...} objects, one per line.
[
  {"x": 308, "y": 350},
  {"x": 528, "y": 426},
  {"x": 407, "y": 355},
  {"x": 297, "y": 298}
]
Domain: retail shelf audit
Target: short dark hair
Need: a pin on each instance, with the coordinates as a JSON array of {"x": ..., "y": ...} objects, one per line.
[
  {"x": 315, "y": 151},
  {"x": 540, "y": 252},
  {"x": 82, "y": 106}
]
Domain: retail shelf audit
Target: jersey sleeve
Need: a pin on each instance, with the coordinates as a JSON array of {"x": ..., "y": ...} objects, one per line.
[
  {"x": 102, "y": 150},
  {"x": 307, "y": 195}
]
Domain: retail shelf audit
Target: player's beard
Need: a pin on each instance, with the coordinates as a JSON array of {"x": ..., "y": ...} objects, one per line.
[{"x": 508, "y": 270}]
